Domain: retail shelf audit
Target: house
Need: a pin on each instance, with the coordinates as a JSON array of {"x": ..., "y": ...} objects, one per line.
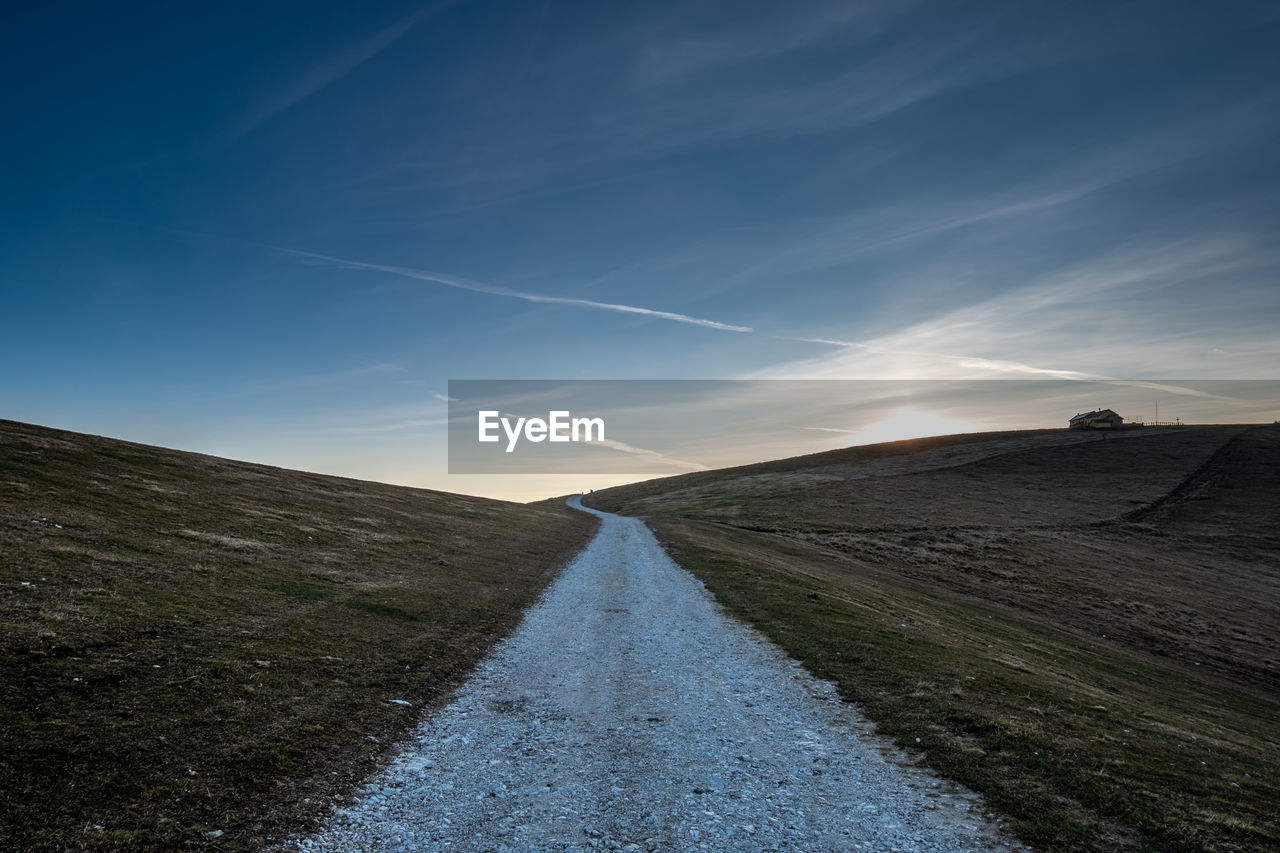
[{"x": 1099, "y": 419}]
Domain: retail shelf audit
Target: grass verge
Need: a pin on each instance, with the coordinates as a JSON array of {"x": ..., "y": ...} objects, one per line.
[
  {"x": 201, "y": 653},
  {"x": 1083, "y": 748},
  {"x": 1080, "y": 627}
]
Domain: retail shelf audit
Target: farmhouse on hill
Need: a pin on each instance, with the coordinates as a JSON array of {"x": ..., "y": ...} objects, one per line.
[{"x": 1100, "y": 419}]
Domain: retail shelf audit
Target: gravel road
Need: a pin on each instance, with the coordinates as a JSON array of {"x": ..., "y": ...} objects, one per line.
[{"x": 628, "y": 712}]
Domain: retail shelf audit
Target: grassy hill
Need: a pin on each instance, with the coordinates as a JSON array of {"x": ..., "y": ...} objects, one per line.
[
  {"x": 196, "y": 652},
  {"x": 1082, "y": 626}
]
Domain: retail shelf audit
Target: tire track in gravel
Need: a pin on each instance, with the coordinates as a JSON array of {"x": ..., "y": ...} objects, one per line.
[{"x": 628, "y": 712}]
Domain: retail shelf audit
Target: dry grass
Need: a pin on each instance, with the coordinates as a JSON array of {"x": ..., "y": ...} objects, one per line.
[
  {"x": 1083, "y": 628},
  {"x": 191, "y": 645}
]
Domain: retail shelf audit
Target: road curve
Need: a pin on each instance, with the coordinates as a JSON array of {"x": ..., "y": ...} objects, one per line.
[{"x": 628, "y": 712}]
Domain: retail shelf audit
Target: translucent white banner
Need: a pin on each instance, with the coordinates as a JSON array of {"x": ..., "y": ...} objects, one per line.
[{"x": 665, "y": 427}]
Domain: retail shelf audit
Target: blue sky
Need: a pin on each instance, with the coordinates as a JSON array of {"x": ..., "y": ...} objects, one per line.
[{"x": 275, "y": 231}]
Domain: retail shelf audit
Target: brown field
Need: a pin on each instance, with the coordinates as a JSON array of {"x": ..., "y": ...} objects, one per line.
[
  {"x": 192, "y": 646},
  {"x": 1081, "y": 626}
]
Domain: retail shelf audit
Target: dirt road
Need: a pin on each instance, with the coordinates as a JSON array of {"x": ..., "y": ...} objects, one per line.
[{"x": 627, "y": 712}]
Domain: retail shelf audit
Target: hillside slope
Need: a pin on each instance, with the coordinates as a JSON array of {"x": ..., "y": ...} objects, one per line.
[
  {"x": 1082, "y": 627},
  {"x": 201, "y": 652}
]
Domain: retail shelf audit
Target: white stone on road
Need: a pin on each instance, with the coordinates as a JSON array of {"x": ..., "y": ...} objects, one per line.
[{"x": 628, "y": 712}]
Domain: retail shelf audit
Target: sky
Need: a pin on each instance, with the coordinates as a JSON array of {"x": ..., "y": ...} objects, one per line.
[{"x": 275, "y": 232}]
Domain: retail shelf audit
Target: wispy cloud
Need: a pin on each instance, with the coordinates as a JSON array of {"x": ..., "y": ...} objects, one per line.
[
  {"x": 981, "y": 365},
  {"x": 850, "y": 236},
  {"x": 330, "y": 70},
  {"x": 497, "y": 290},
  {"x": 881, "y": 85},
  {"x": 388, "y": 416},
  {"x": 1076, "y": 323},
  {"x": 668, "y": 102},
  {"x": 667, "y": 59},
  {"x": 647, "y": 94},
  {"x": 397, "y": 426},
  {"x": 651, "y": 455}
]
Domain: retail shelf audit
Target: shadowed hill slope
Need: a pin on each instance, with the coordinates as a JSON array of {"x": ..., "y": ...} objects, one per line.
[
  {"x": 1080, "y": 625},
  {"x": 196, "y": 651},
  {"x": 992, "y": 479}
]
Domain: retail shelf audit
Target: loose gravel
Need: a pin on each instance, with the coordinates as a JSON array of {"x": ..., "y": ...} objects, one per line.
[{"x": 627, "y": 712}]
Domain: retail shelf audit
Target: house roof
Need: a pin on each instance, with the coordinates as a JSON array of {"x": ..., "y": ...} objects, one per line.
[{"x": 1094, "y": 414}]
